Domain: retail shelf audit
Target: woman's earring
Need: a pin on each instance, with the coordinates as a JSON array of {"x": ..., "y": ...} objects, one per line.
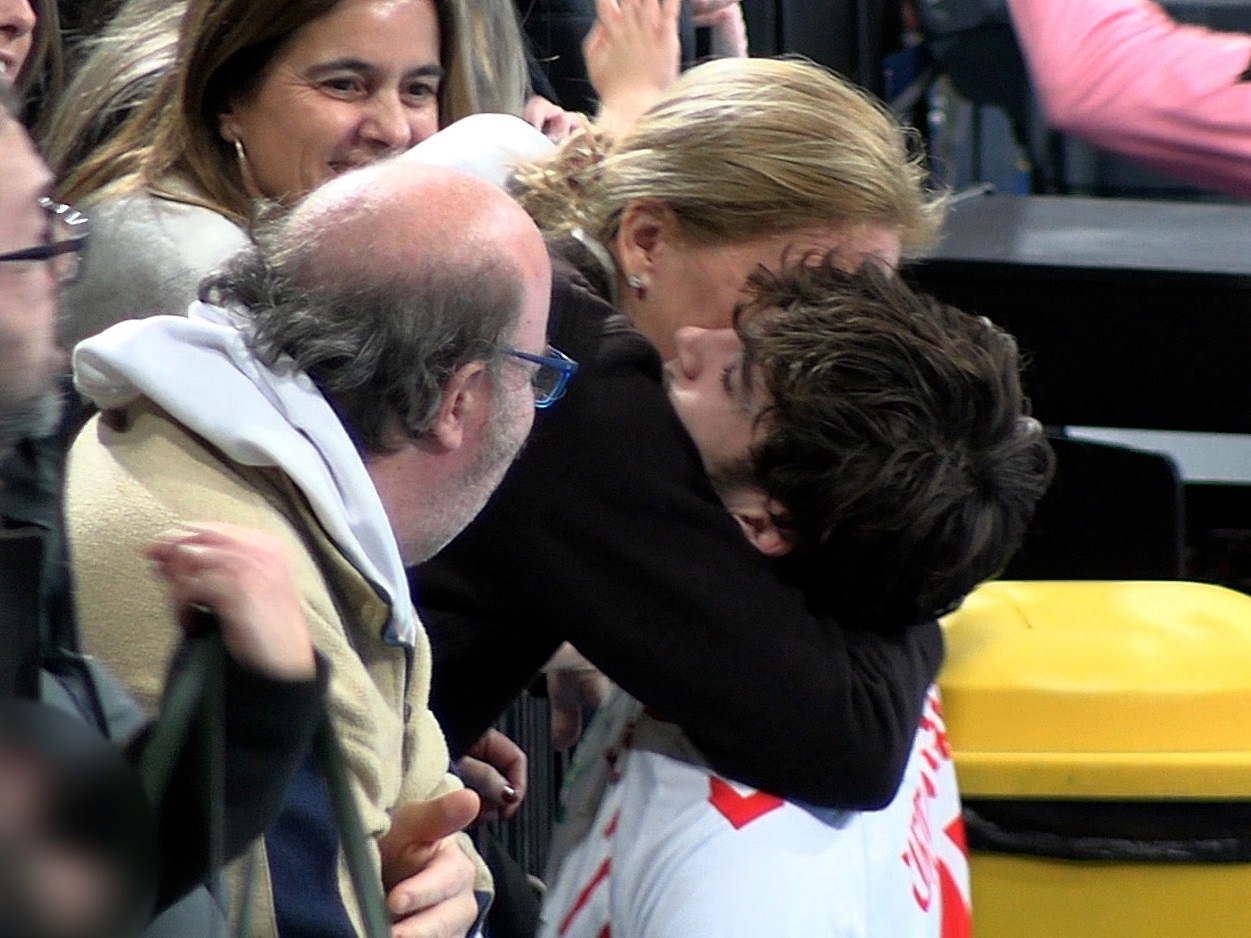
[
  {"x": 245, "y": 170},
  {"x": 635, "y": 283}
]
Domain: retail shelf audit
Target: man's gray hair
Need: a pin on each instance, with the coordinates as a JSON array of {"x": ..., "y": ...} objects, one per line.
[{"x": 381, "y": 349}]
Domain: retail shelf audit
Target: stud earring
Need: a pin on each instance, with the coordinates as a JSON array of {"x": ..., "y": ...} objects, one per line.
[{"x": 635, "y": 283}]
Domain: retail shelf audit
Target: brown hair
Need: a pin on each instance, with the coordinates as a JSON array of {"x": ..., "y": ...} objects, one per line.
[
  {"x": 43, "y": 72},
  {"x": 898, "y": 440},
  {"x": 224, "y": 47}
]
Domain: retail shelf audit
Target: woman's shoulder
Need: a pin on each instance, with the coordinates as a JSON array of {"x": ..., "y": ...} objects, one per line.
[
  {"x": 148, "y": 254},
  {"x": 162, "y": 220}
]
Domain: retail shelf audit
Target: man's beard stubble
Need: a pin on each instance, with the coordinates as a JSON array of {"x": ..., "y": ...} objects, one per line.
[
  {"x": 500, "y": 448},
  {"x": 31, "y": 418}
]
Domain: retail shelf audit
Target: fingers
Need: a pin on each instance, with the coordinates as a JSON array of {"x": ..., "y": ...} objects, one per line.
[
  {"x": 495, "y": 767},
  {"x": 417, "y": 827},
  {"x": 710, "y": 12},
  {"x": 496, "y": 794},
  {"x": 632, "y": 54},
  {"x": 554, "y": 122},
  {"x": 729, "y": 34},
  {"x": 559, "y": 125},
  {"x": 245, "y": 577},
  {"x": 438, "y": 900},
  {"x": 607, "y": 12},
  {"x": 506, "y": 756}
]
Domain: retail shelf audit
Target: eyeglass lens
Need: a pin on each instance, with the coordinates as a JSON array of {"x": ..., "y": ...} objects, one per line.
[
  {"x": 546, "y": 380},
  {"x": 68, "y": 225}
]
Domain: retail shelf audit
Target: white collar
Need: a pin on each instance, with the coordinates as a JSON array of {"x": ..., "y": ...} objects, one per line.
[{"x": 201, "y": 371}]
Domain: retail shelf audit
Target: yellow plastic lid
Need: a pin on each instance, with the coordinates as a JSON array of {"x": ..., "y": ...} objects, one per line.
[{"x": 1133, "y": 690}]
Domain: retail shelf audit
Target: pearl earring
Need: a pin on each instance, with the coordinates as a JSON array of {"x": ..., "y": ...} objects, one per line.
[
  {"x": 635, "y": 283},
  {"x": 245, "y": 170}
]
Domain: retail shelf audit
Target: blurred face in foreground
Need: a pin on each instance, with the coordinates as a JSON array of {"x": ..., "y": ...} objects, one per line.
[{"x": 29, "y": 357}]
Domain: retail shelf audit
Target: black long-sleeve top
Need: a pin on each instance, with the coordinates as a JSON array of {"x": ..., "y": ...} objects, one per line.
[{"x": 607, "y": 533}]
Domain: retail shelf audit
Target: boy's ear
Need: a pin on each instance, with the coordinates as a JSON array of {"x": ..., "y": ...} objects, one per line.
[
  {"x": 754, "y": 511},
  {"x": 463, "y": 401}
]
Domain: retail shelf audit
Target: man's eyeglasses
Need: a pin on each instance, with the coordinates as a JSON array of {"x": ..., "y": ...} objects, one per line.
[
  {"x": 67, "y": 241},
  {"x": 549, "y": 380}
]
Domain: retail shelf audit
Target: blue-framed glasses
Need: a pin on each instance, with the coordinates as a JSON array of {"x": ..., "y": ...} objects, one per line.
[
  {"x": 549, "y": 379},
  {"x": 67, "y": 241}
]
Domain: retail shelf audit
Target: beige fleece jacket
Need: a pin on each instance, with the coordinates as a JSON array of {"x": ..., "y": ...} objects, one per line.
[{"x": 143, "y": 473}]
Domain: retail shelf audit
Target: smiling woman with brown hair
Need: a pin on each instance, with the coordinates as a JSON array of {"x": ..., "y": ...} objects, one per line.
[
  {"x": 30, "y": 49},
  {"x": 264, "y": 101}
]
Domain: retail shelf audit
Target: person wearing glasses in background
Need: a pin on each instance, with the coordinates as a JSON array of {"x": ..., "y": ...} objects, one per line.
[
  {"x": 358, "y": 398},
  {"x": 243, "y": 576}
]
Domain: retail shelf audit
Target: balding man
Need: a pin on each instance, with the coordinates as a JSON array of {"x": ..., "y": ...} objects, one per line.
[{"x": 357, "y": 388}]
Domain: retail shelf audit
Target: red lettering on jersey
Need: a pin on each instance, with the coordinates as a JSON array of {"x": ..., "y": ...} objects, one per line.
[{"x": 584, "y": 896}]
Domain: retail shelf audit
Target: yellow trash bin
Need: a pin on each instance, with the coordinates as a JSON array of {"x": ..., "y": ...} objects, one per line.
[{"x": 1102, "y": 736}]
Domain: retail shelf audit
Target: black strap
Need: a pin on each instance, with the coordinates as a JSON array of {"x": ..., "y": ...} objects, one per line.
[
  {"x": 193, "y": 715},
  {"x": 21, "y": 562}
]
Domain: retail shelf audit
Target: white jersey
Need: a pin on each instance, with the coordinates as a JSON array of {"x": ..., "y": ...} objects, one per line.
[{"x": 671, "y": 849}]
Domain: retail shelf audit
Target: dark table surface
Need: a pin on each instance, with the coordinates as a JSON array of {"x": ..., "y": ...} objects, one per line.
[{"x": 1132, "y": 313}]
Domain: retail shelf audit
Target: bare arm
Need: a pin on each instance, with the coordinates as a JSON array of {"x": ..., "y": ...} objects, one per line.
[{"x": 1123, "y": 75}]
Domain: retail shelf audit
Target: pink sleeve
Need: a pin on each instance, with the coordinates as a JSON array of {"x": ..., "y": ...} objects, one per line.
[{"x": 1123, "y": 75}]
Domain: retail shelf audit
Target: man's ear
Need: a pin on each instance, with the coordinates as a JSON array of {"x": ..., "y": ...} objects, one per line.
[
  {"x": 754, "y": 511},
  {"x": 465, "y": 402},
  {"x": 645, "y": 225}
]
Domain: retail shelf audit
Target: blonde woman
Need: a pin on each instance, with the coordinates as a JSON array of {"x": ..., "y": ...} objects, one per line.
[{"x": 607, "y": 531}]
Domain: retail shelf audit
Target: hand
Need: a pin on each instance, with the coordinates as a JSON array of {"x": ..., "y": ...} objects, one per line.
[
  {"x": 245, "y": 577},
  {"x": 728, "y": 29},
  {"x": 495, "y": 767},
  {"x": 711, "y": 12},
  {"x": 573, "y": 684},
  {"x": 632, "y": 55},
  {"x": 427, "y": 877},
  {"x": 555, "y": 122}
]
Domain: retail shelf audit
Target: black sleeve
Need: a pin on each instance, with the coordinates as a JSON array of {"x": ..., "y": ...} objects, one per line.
[
  {"x": 269, "y": 726},
  {"x": 607, "y": 533},
  {"x": 539, "y": 82}
]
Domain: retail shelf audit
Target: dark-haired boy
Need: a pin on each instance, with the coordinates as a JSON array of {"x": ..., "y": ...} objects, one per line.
[{"x": 877, "y": 443}]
